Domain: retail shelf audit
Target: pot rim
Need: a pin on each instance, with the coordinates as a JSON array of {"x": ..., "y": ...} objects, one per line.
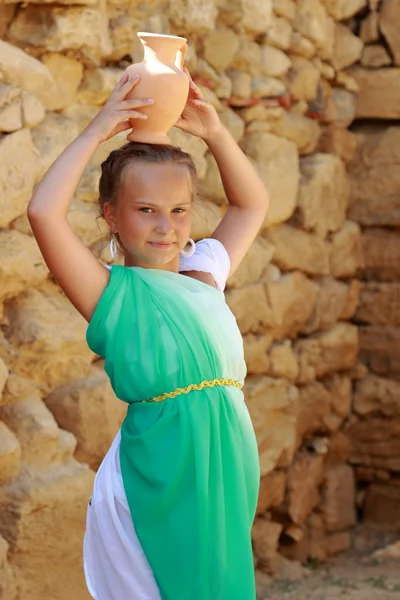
[{"x": 144, "y": 34}]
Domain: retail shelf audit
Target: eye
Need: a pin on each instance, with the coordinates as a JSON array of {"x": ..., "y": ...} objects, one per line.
[
  {"x": 178, "y": 210},
  {"x": 146, "y": 209}
]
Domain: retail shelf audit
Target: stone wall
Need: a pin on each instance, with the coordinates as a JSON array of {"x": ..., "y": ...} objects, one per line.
[
  {"x": 375, "y": 202},
  {"x": 277, "y": 72}
]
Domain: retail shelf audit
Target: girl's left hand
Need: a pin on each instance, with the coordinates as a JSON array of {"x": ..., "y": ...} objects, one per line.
[{"x": 199, "y": 117}]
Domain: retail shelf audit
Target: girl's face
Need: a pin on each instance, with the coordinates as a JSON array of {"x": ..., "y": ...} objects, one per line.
[{"x": 153, "y": 214}]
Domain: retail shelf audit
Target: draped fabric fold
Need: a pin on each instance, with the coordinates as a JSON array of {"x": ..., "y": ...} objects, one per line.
[{"x": 189, "y": 464}]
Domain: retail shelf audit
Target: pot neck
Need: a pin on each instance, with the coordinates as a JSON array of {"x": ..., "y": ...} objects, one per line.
[{"x": 162, "y": 48}]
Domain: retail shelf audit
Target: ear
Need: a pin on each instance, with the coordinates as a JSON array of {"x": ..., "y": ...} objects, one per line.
[{"x": 109, "y": 216}]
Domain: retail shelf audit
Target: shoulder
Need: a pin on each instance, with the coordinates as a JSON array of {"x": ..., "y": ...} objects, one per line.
[{"x": 211, "y": 257}]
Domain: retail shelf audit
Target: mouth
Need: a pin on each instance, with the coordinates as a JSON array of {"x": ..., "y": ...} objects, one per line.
[{"x": 162, "y": 244}]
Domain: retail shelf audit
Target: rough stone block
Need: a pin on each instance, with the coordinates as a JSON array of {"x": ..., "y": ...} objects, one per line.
[
  {"x": 303, "y": 79},
  {"x": 259, "y": 317},
  {"x": 304, "y": 479},
  {"x": 348, "y": 47},
  {"x": 254, "y": 16},
  {"x": 375, "y": 176},
  {"x": 67, "y": 72},
  {"x": 338, "y": 141},
  {"x": 272, "y": 491},
  {"x": 338, "y": 506},
  {"x": 375, "y": 56},
  {"x": 8, "y": 585},
  {"x": 256, "y": 353},
  {"x": 3, "y": 375},
  {"x": 265, "y": 536},
  {"x": 328, "y": 352},
  {"x": 50, "y": 336},
  {"x": 193, "y": 16},
  {"x": 341, "y": 10},
  {"x": 97, "y": 85},
  {"x": 324, "y": 194},
  {"x": 377, "y": 395},
  {"x": 389, "y": 23},
  {"x": 347, "y": 254},
  {"x": 83, "y": 219},
  {"x": 299, "y": 250},
  {"x": 331, "y": 302},
  {"x": 379, "y": 304},
  {"x": 51, "y": 138},
  {"x": 382, "y": 506},
  {"x": 18, "y": 171},
  {"x": 10, "y": 454},
  {"x": 29, "y": 74},
  {"x": 273, "y": 405},
  {"x": 279, "y": 34},
  {"x": 381, "y": 251},
  {"x": 21, "y": 264},
  {"x": 41, "y": 512},
  {"x": 313, "y": 21},
  {"x": 283, "y": 361},
  {"x": 301, "y": 130},
  {"x": 36, "y": 429},
  {"x": 253, "y": 267},
  {"x": 292, "y": 299},
  {"x": 89, "y": 409},
  {"x": 315, "y": 407},
  {"x": 60, "y": 28},
  {"x": 378, "y": 349},
  {"x": 220, "y": 46},
  {"x": 278, "y": 163},
  {"x": 373, "y": 101}
]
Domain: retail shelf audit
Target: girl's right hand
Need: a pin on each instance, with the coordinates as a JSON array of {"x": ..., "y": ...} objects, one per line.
[{"x": 117, "y": 112}]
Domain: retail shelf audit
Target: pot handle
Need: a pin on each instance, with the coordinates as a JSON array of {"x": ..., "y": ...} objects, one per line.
[{"x": 180, "y": 56}]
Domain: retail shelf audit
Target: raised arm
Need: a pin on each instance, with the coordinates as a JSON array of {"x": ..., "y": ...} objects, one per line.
[
  {"x": 77, "y": 271},
  {"x": 245, "y": 191},
  {"x": 246, "y": 194}
]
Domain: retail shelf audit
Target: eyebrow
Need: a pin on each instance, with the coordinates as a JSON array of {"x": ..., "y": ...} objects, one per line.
[{"x": 157, "y": 206}]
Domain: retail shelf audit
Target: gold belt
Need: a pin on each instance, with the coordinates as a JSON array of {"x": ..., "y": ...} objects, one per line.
[{"x": 194, "y": 386}]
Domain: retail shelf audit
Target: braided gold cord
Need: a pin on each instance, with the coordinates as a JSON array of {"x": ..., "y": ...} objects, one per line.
[{"x": 194, "y": 386}]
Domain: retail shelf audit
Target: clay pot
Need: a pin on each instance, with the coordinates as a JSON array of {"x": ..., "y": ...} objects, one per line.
[{"x": 161, "y": 78}]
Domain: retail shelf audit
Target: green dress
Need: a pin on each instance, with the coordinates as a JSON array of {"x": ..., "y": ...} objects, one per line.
[{"x": 189, "y": 464}]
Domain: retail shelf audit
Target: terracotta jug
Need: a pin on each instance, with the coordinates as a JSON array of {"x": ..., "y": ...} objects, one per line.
[{"x": 161, "y": 78}]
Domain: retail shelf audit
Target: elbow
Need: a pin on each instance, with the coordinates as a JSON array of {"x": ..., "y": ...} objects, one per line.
[
  {"x": 30, "y": 211},
  {"x": 33, "y": 213},
  {"x": 37, "y": 216}
]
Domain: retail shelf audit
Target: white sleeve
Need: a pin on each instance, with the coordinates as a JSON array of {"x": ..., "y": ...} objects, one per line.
[{"x": 210, "y": 257}]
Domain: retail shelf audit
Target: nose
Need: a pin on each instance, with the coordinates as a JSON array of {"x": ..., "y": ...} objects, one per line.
[{"x": 164, "y": 225}]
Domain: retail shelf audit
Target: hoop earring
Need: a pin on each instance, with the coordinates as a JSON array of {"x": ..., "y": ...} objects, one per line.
[
  {"x": 191, "y": 251},
  {"x": 113, "y": 247}
]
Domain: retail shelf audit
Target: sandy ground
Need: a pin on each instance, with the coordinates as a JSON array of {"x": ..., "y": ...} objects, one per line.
[{"x": 355, "y": 575}]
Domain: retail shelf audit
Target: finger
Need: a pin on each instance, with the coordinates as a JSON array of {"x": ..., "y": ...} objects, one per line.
[
  {"x": 125, "y": 84},
  {"x": 133, "y": 114},
  {"x": 131, "y": 82},
  {"x": 196, "y": 90},
  {"x": 124, "y": 79},
  {"x": 201, "y": 102},
  {"x": 123, "y": 126},
  {"x": 134, "y": 103},
  {"x": 121, "y": 82},
  {"x": 186, "y": 70},
  {"x": 181, "y": 123}
]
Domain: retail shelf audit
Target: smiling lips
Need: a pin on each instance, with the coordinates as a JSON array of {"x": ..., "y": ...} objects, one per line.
[{"x": 161, "y": 244}]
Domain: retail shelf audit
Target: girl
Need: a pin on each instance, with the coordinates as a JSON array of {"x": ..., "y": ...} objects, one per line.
[{"x": 174, "y": 499}]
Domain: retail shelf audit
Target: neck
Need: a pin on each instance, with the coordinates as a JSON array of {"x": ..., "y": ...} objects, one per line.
[{"x": 133, "y": 261}]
